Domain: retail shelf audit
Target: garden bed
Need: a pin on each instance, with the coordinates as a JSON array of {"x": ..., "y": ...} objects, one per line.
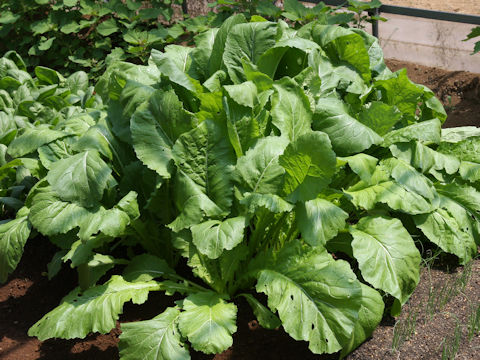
[{"x": 28, "y": 295}]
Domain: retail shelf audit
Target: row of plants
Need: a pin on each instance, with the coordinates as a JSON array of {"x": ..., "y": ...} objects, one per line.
[
  {"x": 89, "y": 34},
  {"x": 267, "y": 160}
]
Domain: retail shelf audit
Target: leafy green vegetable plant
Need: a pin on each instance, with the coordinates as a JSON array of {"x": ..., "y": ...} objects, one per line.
[
  {"x": 257, "y": 158},
  {"x": 69, "y": 34}
]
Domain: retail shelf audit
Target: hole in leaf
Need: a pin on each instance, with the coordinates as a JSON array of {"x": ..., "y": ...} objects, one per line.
[{"x": 291, "y": 297}]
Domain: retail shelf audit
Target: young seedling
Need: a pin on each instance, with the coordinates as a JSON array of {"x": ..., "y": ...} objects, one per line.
[{"x": 451, "y": 344}]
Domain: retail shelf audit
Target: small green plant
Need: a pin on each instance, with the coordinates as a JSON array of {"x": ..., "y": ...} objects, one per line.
[
  {"x": 364, "y": 12},
  {"x": 449, "y": 105},
  {"x": 438, "y": 298},
  {"x": 473, "y": 326},
  {"x": 451, "y": 344},
  {"x": 404, "y": 329},
  {"x": 474, "y": 34}
]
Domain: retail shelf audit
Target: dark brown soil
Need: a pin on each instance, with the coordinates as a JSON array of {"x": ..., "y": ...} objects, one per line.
[{"x": 28, "y": 295}]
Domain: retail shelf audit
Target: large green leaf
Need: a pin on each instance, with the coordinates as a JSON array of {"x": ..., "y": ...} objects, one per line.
[
  {"x": 146, "y": 267},
  {"x": 247, "y": 42},
  {"x": 111, "y": 83},
  {"x": 291, "y": 112},
  {"x": 208, "y": 322},
  {"x": 107, "y": 27},
  {"x": 112, "y": 222},
  {"x": 464, "y": 195},
  {"x": 50, "y": 215},
  {"x": 348, "y": 135},
  {"x": 344, "y": 45},
  {"x": 271, "y": 202},
  {"x": 287, "y": 57},
  {"x": 216, "y": 58},
  {"x": 155, "y": 339},
  {"x": 213, "y": 237},
  {"x": 463, "y": 145},
  {"x": 386, "y": 255},
  {"x": 32, "y": 139},
  {"x": 204, "y": 43},
  {"x": 426, "y": 132},
  {"x": 424, "y": 158},
  {"x": 155, "y": 127},
  {"x": 78, "y": 81},
  {"x": 319, "y": 221},
  {"x": 431, "y": 107},
  {"x": 341, "y": 77},
  {"x": 175, "y": 64},
  {"x": 52, "y": 152},
  {"x": 375, "y": 52},
  {"x": 453, "y": 226},
  {"x": 265, "y": 317},
  {"x": 259, "y": 170},
  {"x": 460, "y": 133},
  {"x": 309, "y": 164},
  {"x": 400, "y": 91},
  {"x": 410, "y": 178},
  {"x": 361, "y": 164},
  {"x": 467, "y": 149},
  {"x": 449, "y": 231},
  {"x": 81, "y": 178},
  {"x": 13, "y": 236},
  {"x": 101, "y": 137},
  {"x": 244, "y": 94},
  {"x": 95, "y": 310},
  {"x": 383, "y": 189},
  {"x": 369, "y": 316},
  {"x": 469, "y": 171},
  {"x": 379, "y": 117},
  {"x": 317, "y": 298},
  {"x": 205, "y": 160},
  {"x": 47, "y": 76},
  {"x": 242, "y": 122}
]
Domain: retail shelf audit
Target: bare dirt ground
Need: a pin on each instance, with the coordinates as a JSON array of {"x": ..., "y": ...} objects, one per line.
[
  {"x": 426, "y": 328},
  {"x": 459, "y": 6}
]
